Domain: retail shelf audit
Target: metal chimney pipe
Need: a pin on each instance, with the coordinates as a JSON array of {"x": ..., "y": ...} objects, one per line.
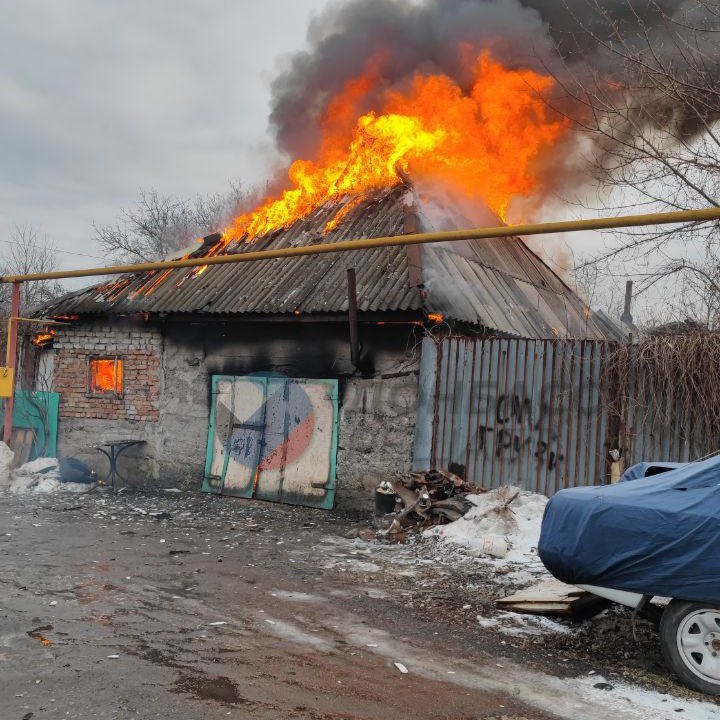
[{"x": 627, "y": 317}]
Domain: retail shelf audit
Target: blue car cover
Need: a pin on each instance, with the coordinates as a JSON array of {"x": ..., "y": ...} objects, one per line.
[
  {"x": 657, "y": 535},
  {"x": 646, "y": 469}
]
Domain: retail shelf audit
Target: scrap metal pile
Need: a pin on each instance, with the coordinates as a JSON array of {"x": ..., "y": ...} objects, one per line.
[{"x": 433, "y": 497}]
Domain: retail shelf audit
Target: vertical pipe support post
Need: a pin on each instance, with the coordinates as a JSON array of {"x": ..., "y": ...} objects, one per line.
[
  {"x": 627, "y": 317},
  {"x": 353, "y": 318},
  {"x": 11, "y": 359}
]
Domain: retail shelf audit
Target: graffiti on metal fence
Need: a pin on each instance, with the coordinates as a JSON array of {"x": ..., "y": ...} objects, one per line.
[{"x": 518, "y": 425}]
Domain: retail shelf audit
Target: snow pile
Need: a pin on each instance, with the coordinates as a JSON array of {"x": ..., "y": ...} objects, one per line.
[
  {"x": 505, "y": 515},
  {"x": 42, "y": 476},
  {"x": 618, "y": 697}
]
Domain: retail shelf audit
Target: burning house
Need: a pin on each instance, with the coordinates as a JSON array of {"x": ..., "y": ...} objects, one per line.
[{"x": 296, "y": 378}]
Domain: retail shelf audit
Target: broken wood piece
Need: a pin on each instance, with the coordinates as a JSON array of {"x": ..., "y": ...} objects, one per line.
[
  {"x": 455, "y": 479},
  {"x": 510, "y": 495},
  {"x": 408, "y": 496},
  {"x": 550, "y": 597}
]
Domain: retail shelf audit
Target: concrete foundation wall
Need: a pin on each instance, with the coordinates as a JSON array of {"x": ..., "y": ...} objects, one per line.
[
  {"x": 377, "y": 412},
  {"x": 377, "y": 426}
]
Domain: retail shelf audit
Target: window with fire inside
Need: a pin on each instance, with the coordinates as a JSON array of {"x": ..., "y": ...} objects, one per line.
[{"x": 105, "y": 377}]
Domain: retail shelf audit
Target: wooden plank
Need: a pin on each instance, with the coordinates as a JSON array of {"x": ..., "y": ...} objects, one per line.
[
  {"x": 541, "y": 608},
  {"x": 546, "y": 591},
  {"x": 21, "y": 444},
  {"x": 550, "y": 597}
]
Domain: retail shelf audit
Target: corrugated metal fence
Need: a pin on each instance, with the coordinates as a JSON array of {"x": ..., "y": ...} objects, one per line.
[{"x": 532, "y": 413}]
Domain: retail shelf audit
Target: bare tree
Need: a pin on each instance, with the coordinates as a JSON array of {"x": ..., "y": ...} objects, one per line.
[
  {"x": 650, "y": 101},
  {"x": 587, "y": 279},
  {"x": 158, "y": 225},
  {"x": 29, "y": 252}
]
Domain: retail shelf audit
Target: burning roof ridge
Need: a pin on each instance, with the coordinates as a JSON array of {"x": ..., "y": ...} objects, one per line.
[
  {"x": 330, "y": 206},
  {"x": 492, "y": 277}
]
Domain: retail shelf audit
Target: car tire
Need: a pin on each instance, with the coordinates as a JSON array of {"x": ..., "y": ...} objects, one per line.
[{"x": 690, "y": 639}]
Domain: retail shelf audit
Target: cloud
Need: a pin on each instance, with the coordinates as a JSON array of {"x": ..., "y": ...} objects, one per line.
[{"x": 99, "y": 98}]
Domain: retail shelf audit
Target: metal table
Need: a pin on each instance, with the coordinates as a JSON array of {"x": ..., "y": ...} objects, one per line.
[{"x": 115, "y": 449}]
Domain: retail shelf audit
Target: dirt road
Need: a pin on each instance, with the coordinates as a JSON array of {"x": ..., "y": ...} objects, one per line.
[{"x": 240, "y": 609}]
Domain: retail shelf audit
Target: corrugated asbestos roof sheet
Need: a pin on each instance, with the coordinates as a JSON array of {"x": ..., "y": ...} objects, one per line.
[
  {"x": 308, "y": 284},
  {"x": 500, "y": 284},
  {"x": 466, "y": 290}
]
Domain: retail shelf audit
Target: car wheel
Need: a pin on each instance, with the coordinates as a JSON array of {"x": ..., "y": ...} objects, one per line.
[{"x": 690, "y": 638}]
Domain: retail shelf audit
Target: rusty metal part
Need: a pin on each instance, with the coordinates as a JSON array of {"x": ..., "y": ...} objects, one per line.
[
  {"x": 432, "y": 497},
  {"x": 11, "y": 359},
  {"x": 353, "y": 318}
]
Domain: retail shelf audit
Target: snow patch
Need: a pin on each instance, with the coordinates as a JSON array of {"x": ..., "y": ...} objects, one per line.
[
  {"x": 42, "y": 476},
  {"x": 6, "y": 458},
  {"x": 518, "y": 625},
  {"x": 646, "y": 703},
  {"x": 289, "y": 631},
  {"x": 496, "y": 514}
]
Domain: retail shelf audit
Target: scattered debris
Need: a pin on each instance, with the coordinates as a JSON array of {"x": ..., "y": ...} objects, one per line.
[
  {"x": 401, "y": 668},
  {"x": 424, "y": 499},
  {"x": 160, "y": 515},
  {"x": 37, "y": 633},
  {"x": 113, "y": 657},
  {"x": 552, "y": 597}
]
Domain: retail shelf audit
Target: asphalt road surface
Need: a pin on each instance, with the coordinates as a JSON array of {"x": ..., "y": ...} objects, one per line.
[{"x": 237, "y": 609}]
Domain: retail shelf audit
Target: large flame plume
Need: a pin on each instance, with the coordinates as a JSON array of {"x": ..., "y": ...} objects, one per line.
[{"x": 487, "y": 141}]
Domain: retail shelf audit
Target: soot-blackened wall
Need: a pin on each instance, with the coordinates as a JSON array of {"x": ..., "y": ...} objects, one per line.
[{"x": 377, "y": 412}]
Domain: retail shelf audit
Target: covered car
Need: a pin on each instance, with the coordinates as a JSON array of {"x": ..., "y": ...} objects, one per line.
[
  {"x": 647, "y": 469},
  {"x": 657, "y": 535}
]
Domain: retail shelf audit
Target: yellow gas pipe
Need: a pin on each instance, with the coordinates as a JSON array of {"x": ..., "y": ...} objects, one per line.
[{"x": 622, "y": 221}]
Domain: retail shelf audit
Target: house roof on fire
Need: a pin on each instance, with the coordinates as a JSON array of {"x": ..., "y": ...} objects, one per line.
[{"x": 499, "y": 284}]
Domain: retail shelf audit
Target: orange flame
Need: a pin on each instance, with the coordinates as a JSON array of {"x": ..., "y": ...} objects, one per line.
[
  {"x": 486, "y": 141},
  {"x": 44, "y": 338},
  {"x": 106, "y": 376}
]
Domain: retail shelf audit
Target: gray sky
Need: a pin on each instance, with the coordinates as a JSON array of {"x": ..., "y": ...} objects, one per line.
[{"x": 99, "y": 98}]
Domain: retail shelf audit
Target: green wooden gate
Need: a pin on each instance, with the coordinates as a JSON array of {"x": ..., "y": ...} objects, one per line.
[{"x": 273, "y": 438}]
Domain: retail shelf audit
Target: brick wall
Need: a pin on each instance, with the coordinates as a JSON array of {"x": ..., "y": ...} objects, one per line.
[{"x": 140, "y": 351}]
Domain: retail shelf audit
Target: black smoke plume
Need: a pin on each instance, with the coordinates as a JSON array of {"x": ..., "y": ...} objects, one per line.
[{"x": 431, "y": 37}]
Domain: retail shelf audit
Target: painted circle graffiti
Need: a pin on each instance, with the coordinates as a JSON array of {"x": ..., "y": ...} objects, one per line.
[{"x": 283, "y": 425}]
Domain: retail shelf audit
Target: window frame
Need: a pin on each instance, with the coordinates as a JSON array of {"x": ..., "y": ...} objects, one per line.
[{"x": 111, "y": 394}]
